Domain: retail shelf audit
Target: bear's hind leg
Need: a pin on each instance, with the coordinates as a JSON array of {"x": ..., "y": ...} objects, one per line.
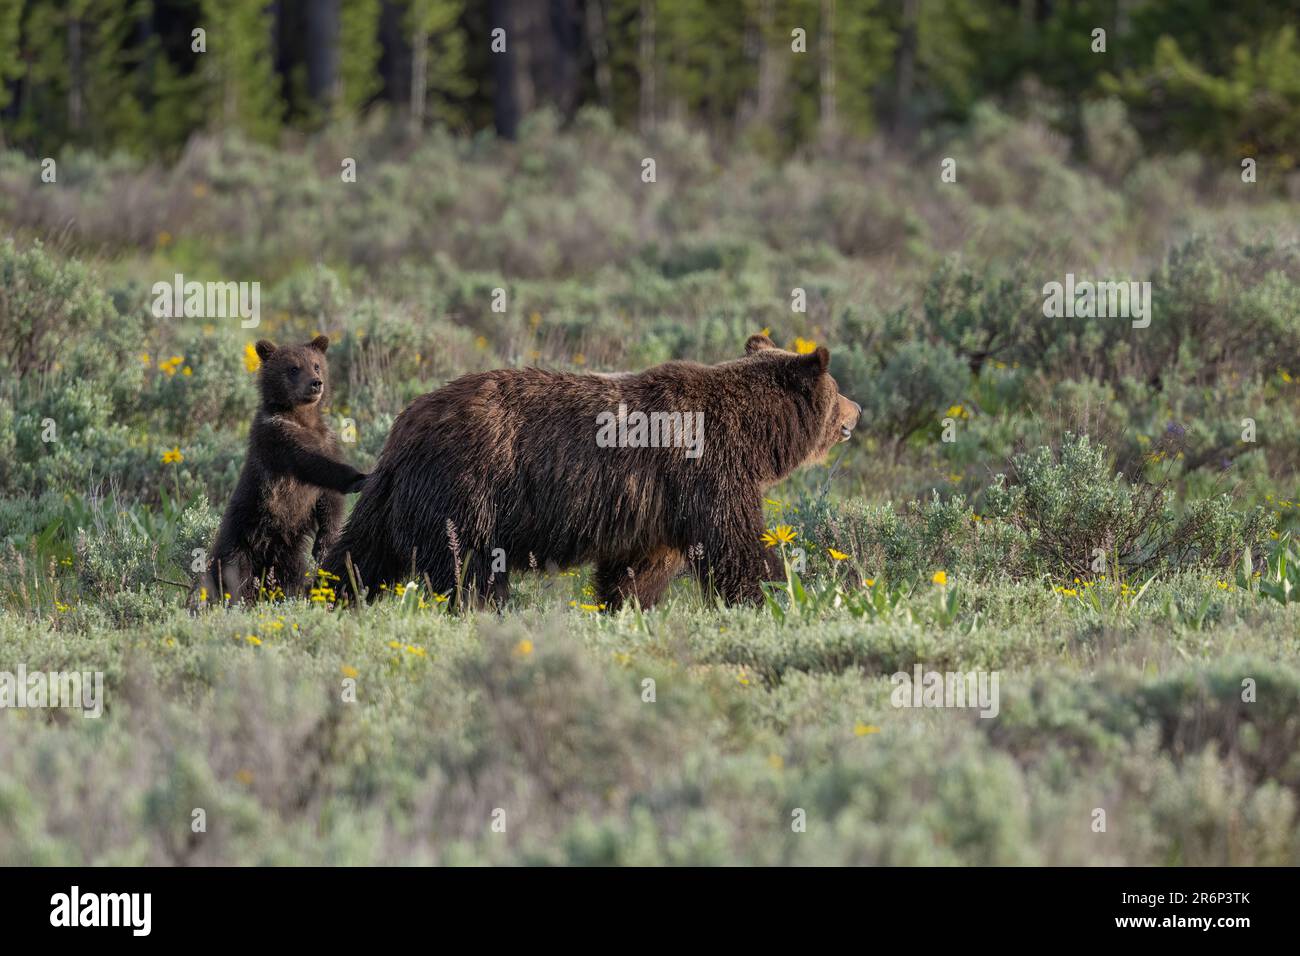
[
  {"x": 234, "y": 574},
  {"x": 297, "y": 581},
  {"x": 433, "y": 570},
  {"x": 645, "y": 578},
  {"x": 496, "y": 592}
]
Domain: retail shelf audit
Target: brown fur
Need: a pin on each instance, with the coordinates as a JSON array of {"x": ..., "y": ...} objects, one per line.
[
  {"x": 510, "y": 458},
  {"x": 291, "y": 487}
]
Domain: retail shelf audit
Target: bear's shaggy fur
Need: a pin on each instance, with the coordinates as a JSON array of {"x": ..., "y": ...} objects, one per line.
[
  {"x": 509, "y": 461},
  {"x": 292, "y": 484}
]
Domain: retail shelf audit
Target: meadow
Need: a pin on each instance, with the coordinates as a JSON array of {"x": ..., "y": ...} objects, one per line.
[{"x": 1106, "y": 516}]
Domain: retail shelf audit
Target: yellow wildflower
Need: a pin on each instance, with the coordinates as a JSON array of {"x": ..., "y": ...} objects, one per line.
[{"x": 781, "y": 534}]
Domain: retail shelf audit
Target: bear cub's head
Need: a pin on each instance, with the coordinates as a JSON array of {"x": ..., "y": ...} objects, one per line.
[
  {"x": 293, "y": 376},
  {"x": 838, "y": 415}
]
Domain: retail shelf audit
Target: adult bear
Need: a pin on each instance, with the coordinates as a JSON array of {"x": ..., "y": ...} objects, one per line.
[{"x": 518, "y": 468}]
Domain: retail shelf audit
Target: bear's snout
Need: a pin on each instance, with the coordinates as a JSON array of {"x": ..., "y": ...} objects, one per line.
[{"x": 850, "y": 415}]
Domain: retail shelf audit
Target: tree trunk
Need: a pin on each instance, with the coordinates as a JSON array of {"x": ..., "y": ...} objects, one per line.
[
  {"x": 393, "y": 65},
  {"x": 826, "y": 47},
  {"x": 771, "y": 70},
  {"x": 322, "y": 35},
  {"x": 906, "y": 64},
  {"x": 505, "y": 72},
  {"x": 600, "y": 53},
  {"x": 75, "y": 78},
  {"x": 646, "y": 63},
  {"x": 419, "y": 81},
  {"x": 563, "y": 33}
]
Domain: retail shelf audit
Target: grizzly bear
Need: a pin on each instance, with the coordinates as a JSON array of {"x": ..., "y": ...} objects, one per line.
[
  {"x": 292, "y": 484},
  {"x": 514, "y": 468}
]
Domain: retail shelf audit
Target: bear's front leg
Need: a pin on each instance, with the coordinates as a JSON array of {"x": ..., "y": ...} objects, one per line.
[
  {"x": 329, "y": 519},
  {"x": 731, "y": 557}
]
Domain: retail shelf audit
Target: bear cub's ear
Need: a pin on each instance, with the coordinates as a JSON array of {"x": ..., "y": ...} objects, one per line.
[
  {"x": 757, "y": 343},
  {"x": 265, "y": 349},
  {"x": 320, "y": 343}
]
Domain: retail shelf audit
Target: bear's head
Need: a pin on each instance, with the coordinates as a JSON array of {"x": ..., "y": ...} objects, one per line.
[
  {"x": 293, "y": 376},
  {"x": 833, "y": 416}
]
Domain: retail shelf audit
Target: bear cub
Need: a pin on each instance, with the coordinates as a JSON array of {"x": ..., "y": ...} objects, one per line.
[{"x": 292, "y": 484}]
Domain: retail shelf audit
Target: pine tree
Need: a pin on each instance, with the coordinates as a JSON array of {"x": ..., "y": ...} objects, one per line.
[
  {"x": 42, "y": 108},
  {"x": 239, "y": 67},
  {"x": 437, "y": 59},
  {"x": 833, "y": 88},
  {"x": 11, "y": 64},
  {"x": 113, "y": 114},
  {"x": 359, "y": 53}
]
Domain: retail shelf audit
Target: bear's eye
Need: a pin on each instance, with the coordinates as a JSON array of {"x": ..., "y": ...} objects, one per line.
[
  {"x": 316, "y": 366},
  {"x": 295, "y": 370}
]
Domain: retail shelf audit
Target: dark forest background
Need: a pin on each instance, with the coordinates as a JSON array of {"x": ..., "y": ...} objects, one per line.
[{"x": 1220, "y": 78}]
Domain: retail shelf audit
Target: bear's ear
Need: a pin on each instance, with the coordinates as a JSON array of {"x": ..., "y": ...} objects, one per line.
[
  {"x": 264, "y": 349},
  {"x": 818, "y": 361},
  {"x": 757, "y": 343},
  {"x": 320, "y": 343}
]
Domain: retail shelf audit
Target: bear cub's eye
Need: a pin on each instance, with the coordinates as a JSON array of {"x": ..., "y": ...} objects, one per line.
[
  {"x": 295, "y": 370},
  {"x": 316, "y": 366}
]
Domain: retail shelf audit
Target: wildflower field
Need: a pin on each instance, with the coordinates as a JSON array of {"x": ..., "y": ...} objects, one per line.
[{"x": 1105, "y": 516}]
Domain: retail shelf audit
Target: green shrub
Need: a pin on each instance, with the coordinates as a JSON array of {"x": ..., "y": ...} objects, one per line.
[
  {"x": 1082, "y": 519},
  {"x": 912, "y": 388}
]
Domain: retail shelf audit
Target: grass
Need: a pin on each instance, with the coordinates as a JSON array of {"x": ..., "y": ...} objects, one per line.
[
  {"x": 545, "y": 713},
  {"x": 1157, "y": 694}
]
